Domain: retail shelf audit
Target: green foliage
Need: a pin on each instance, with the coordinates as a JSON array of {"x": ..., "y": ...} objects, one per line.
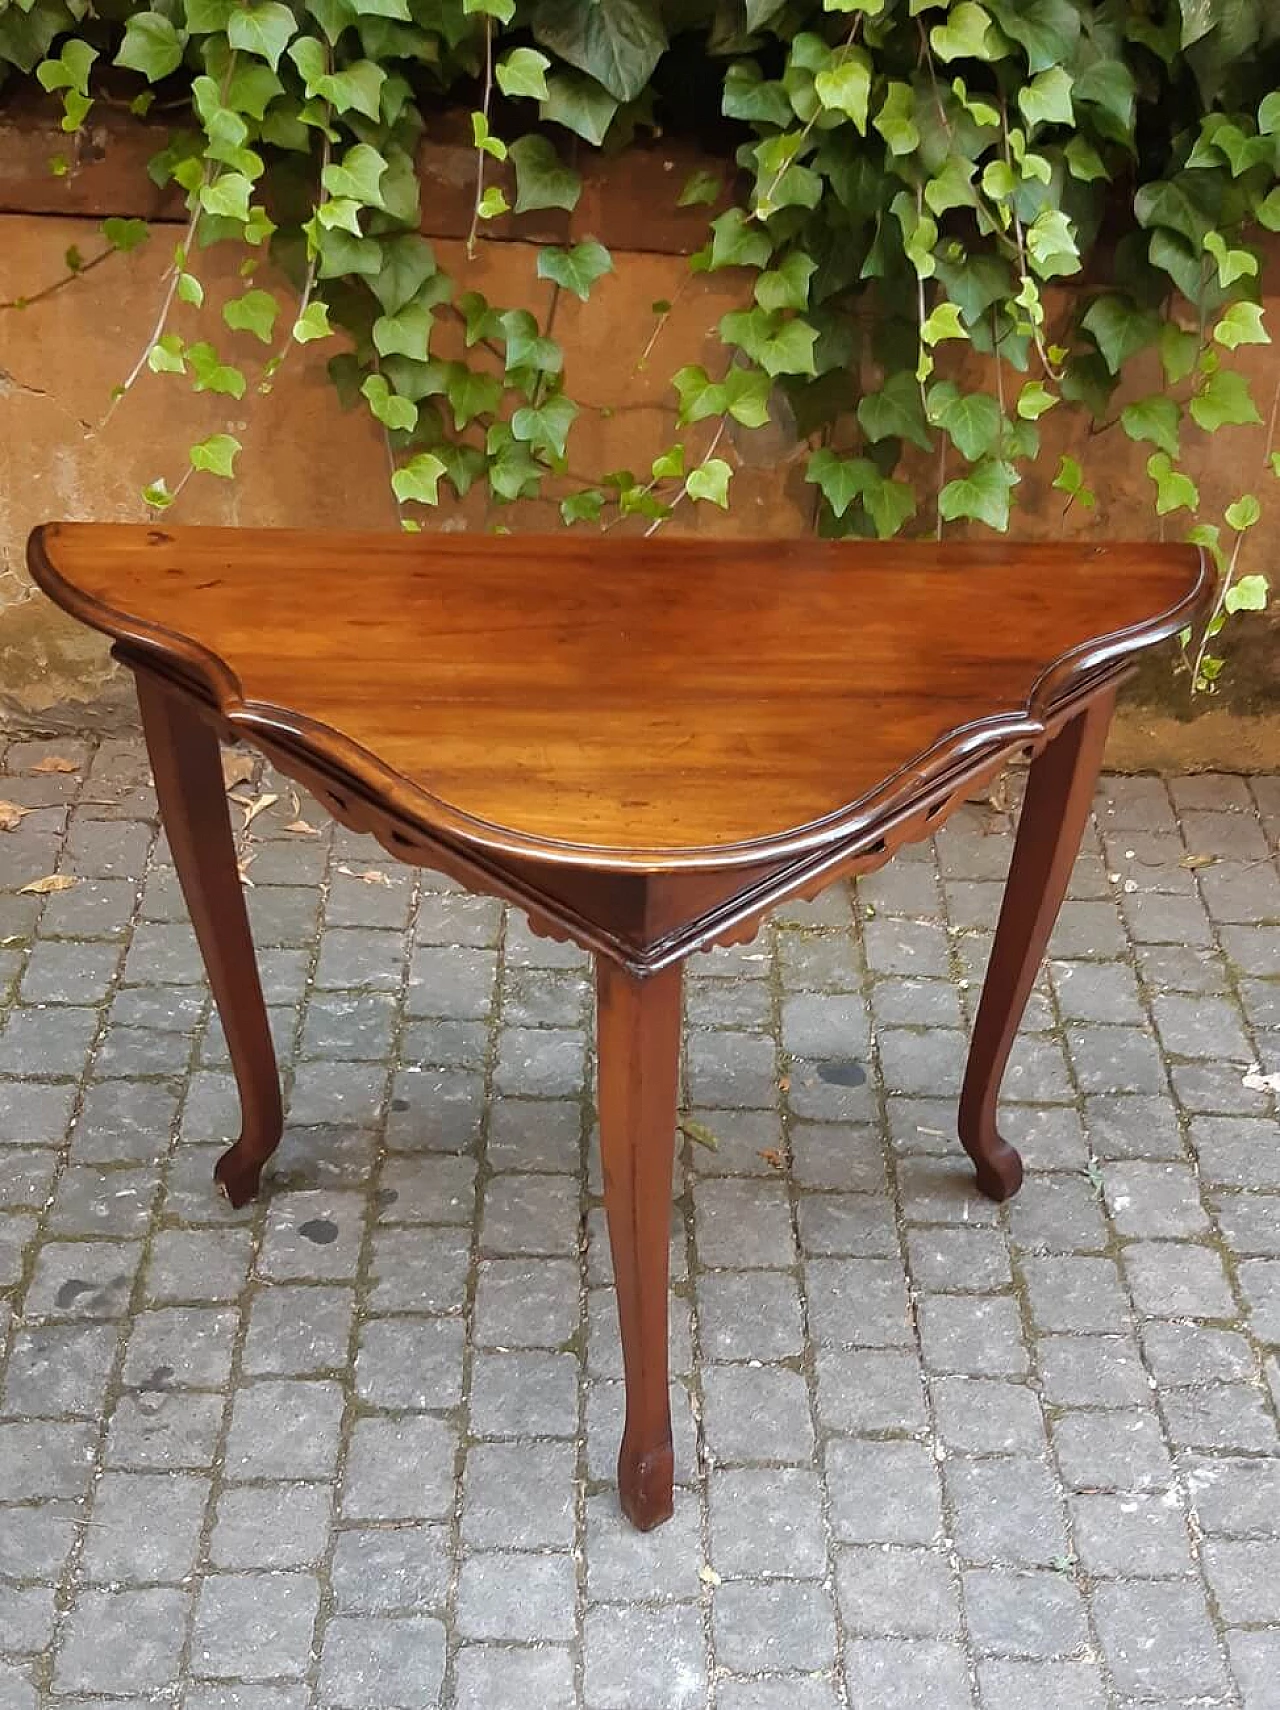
[{"x": 915, "y": 176}]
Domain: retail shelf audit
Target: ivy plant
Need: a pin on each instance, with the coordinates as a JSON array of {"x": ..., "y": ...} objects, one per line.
[{"x": 908, "y": 179}]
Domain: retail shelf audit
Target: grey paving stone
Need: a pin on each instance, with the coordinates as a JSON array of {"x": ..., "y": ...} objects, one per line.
[
  {"x": 1092, "y": 1371},
  {"x": 523, "y": 1303},
  {"x": 26, "y": 1617},
  {"x": 883, "y": 1492},
  {"x": 858, "y": 1303},
  {"x": 1133, "y": 1125},
  {"x": 1017, "y": 1613},
  {"x": 533, "y": 1214},
  {"x": 285, "y": 1526},
  {"x": 827, "y": 1155},
  {"x": 410, "y": 1363},
  {"x": 312, "y": 1235},
  {"x": 69, "y": 972},
  {"x": 1235, "y": 1152},
  {"x": 1005, "y": 1510},
  {"x": 540, "y": 1062},
  {"x": 1010, "y": 1684},
  {"x": 298, "y": 1331},
  {"x": 820, "y": 1025},
  {"x": 988, "y": 1417},
  {"x": 749, "y": 1315},
  {"x": 865, "y": 1391},
  {"x": 435, "y": 1110},
  {"x": 59, "y": 1370},
  {"x": 777, "y": 1692},
  {"x": 385, "y": 1570},
  {"x": 145, "y": 1528},
  {"x": 1255, "y": 1661},
  {"x": 281, "y": 1428},
  {"x": 1058, "y": 1214},
  {"x": 519, "y": 1496},
  {"x": 530, "y": 1394},
  {"x": 399, "y": 1469},
  {"x": 1130, "y": 1536},
  {"x": 1228, "y": 1416},
  {"x": 497, "y": 1677},
  {"x": 910, "y": 1593},
  {"x": 159, "y": 1431},
  {"x": 635, "y": 1657},
  {"x": 419, "y": 1270},
  {"x": 502, "y": 1595},
  {"x": 37, "y": 1538},
  {"x": 1097, "y": 991},
  {"x": 774, "y": 1625},
  {"x": 83, "y": 1279},
  {"x": 456, "y": 982},
  {"x": 121, "y": 1641},
  {"x": 907, "y": 1674},
  {"x": 49, "y": 1040},
  {"x": 122, "y": 1119},
  {"x": 734, "y": 1071},
  {"x": 847, "y": 1225},
  {"x": 956, "y": 1260},
  {"x": 1075, "y": 1294},
  {"x": 626, "y": 1566},
  {"x": 381, "y": 1663},
  {"x": 1155, "y": 1200},
  {"x": 1175, "y": 1279},
  {"x": 767, "y": 1521},
  {"x": 756, "y": 1414},
  {"x": 1119, "y": 1450},
  {"x": 980, "y": 1336},
  {"x": 744, "y": 1224},
  {"x": 17, "y": 1689},
  {"x": 536, "y": 1134},
  {"x": 1187, "y": 1661}
]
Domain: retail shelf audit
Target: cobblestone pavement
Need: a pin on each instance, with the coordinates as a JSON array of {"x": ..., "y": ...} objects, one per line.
[{"x": 353, "y": 1446}]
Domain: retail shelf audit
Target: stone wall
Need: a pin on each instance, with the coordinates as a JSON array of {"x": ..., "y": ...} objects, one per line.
[{"x": 63, "y": 455}]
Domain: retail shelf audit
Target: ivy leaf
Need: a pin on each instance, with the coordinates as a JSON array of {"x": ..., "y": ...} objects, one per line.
[
  {"x": 1243, "y": 513},
  {"x": 971, "y": 420},
  {"x": 1241, "y": 324},
  {"x": 944, "y": 322},
  {"x": 312, "y": 323},
  {"x": 548, "y": 425},
  {"x": 542, "y": 178},
  {"x": 190, "y": 290},
  {"x": 1224, "y": 401},
  {"x": 738, "y": 242},
  {"x": 575, "y": 269},
  {"x": 787, "y": 285},
  {"x": 1083, "y": 160},
  {"x": 700, "y": 187},
  {"x": 1108, "y": 85},
  {"x": 778, "y": 346},
  {"x": 580, "y": 105},
  {"x": 125, "y": 234},
  {"x": 406, "y": 333},
  {"x": 166, "y": 355},
  {"x": 211, "y": 375},
  {"x": 418, "y": 480},
  {"x": 699, "y": 395},
  {"x": 745, "y": 396},
  {"x": 1174, "y": 490},
  {"x": 1178, "y": 351},
  {"x": 263, "y": 28},
  {"x": 1047, "y": 29},
  {"x": 582, "y": 507},
  {"x": 1120, "y": 328},
  {"x": 982, "y": 494},
  {"x": 357, "y": 175},
  {"x": 1034, "y": 401},
  {"x": 895, "y": 412},
  {"x": 391, "y": 411},
  {"x": 1070, "y": 480},
  {"x": 228, "y": 196},
  {"x": 523, "y": 71},
  {"x": 618, "y": 42},
  {"x": 964, "y": 35},
  {"x": 1249, "y": 594},
  {"x": 407, "y": 263},
  {"x": 157, "y": 494},
  {"x": 503, "y": 10},
  {"x": 216, "y": 455},
  {"x": 1046, "y": 100},
  {"x": 1233, "y": 264},
  {"x": 1154, "y": 419},
  {"x": 526, "y": 347},
  {"x": 493, "y": 204},
  {"x": 710, "y": 480},
  {"x": 889, "y": 505},
  {"x": 151, "y": 46},
  {"x": 846, "y": 88},
  {"x": 896, "y": 119},
  {"x": 471, "y": 394},
  {"x": 670, "y": 465},
  {"x": 841, "y": 479},
  {"x": 254, "y": 313}
]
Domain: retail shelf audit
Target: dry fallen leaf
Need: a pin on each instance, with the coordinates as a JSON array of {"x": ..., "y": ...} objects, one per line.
[
  {"x": 784, "y": 1085},
  {"x": 50, "y": 882},
  {"x": 237, "y": 769},
  {"x": 370, "y": 876},
  {"x": 302, "y": 829},
  {"x": 12, "y": 816},
  {"x": 709, "y": 1576},
  {"x": 56, "y": 763},
  {"x": 699, "y": 1132},
  {"x": 1194, "y": 861},
  {"x": 1255, "y": 1081},
  {"x": 773, "y": 1158},
  {"x": 254, "y": 805}
]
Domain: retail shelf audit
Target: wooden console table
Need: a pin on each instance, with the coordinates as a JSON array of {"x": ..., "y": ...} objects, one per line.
[{"x": 645, "y": 744}]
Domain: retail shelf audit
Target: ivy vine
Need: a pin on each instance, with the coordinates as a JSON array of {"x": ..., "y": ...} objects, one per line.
[{"x": 904, "y": 174}]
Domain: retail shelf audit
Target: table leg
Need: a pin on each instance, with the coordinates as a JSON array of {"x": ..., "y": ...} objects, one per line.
[
  {"x": 187, "y": 767},
  {"x": 1055, "y": 810},
  {"x": 638, "y": 1039}
]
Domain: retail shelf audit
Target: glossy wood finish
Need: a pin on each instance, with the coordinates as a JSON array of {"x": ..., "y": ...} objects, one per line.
[
  {"x": 644, "y": 744},
  {"x": 638, "y": 1038},
  {"x": 1055, "y": 811},
  {"x": 187, "y": 766}
]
